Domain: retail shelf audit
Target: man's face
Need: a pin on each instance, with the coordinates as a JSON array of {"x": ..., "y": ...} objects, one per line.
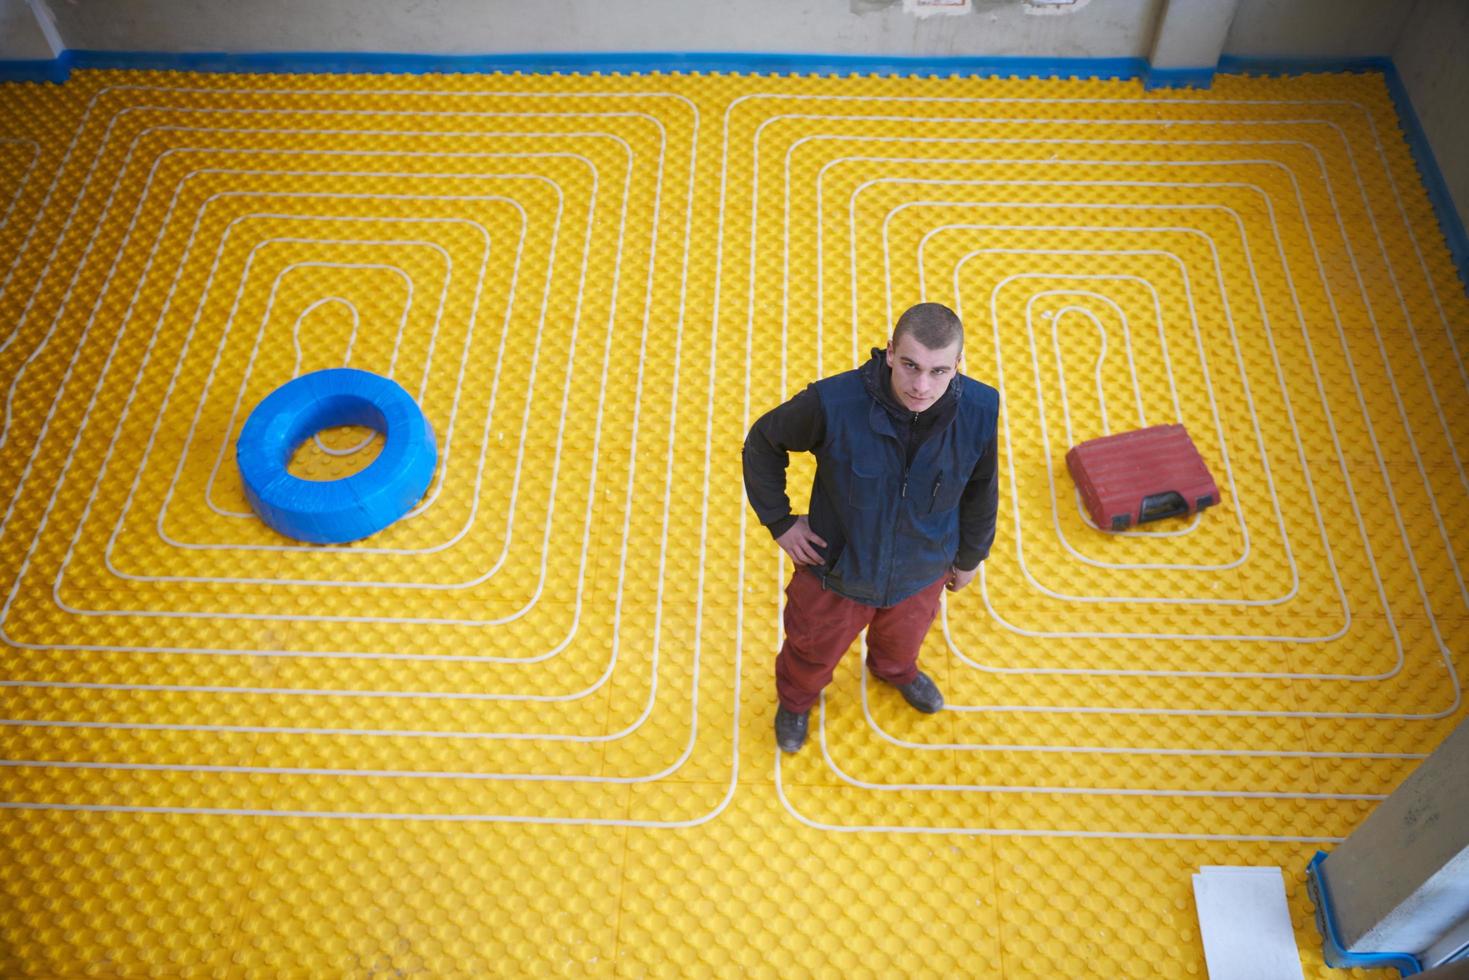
[{"x": 920, "y": 375}]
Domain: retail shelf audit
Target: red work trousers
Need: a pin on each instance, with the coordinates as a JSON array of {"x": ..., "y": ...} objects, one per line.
[{"x": 821, "y": 625}]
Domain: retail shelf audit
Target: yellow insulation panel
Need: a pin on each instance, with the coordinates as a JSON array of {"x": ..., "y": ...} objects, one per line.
[{"x": 527, "y": 728}]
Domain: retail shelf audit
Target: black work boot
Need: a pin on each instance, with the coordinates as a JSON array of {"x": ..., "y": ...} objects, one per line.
[
  {"x": 790, "y": 729},
  {"x": 922, "y": 693}
]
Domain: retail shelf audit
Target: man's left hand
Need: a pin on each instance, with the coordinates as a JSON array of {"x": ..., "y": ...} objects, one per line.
[{"x": 958, "y": 579}]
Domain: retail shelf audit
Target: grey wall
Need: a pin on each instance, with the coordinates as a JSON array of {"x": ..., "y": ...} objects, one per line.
[
  {"x": 21, "y": 38},
  {"x": 1101, "y": 29},
  {"x": 1316, "y": 28},
  {"x": 1098, "y": 29},
  {"x": 1431, "y": 56}
]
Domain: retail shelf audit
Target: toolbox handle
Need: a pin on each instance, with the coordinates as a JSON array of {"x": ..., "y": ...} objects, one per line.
[{"x": 1160, "y": 505}]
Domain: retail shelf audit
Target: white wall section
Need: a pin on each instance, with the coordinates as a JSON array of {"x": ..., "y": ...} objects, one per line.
[{"x": 1191, "y": 33}]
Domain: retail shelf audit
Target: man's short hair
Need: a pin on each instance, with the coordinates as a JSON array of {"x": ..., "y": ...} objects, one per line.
[{"x": 933, "y": 325}]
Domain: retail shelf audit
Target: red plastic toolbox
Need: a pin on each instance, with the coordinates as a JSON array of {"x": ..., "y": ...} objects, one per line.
[{"x": 1139, "y": 476}]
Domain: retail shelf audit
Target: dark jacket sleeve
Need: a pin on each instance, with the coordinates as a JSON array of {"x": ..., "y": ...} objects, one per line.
[
  {"x": 977, "y": 509},
  {"x": 795, "y": 426}
]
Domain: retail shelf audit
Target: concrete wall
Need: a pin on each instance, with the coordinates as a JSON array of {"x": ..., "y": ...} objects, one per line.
[
  {"x": 1316, "y": 28},
  {"x": 21, "y": 36},
  {"x": 1431, "y": 57},
  {"x": 1101, "y": 29},
  {"x": 1098, "y": 29}
]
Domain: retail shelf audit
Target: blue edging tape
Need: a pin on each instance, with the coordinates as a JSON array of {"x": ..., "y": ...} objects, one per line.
[
  {"x": 353, "y": 507},
  {"x": 1177, "y": 78},
  {"x": 605, "y": 62},
  {"x": 1405, "y": 963},
  {"x": 644, "y": 62},
  {"x": 49, "y": 70}
]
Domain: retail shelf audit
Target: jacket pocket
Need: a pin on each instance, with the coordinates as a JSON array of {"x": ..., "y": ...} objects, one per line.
[
  {"x": 864, "y": 491},
  {"x": 945, "y": 492}
]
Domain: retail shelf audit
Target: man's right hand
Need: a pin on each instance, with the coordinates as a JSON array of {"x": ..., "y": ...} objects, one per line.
[{"x": 800, "y": 542}]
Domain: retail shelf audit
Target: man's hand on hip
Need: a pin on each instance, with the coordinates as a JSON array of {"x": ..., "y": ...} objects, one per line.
[
  {"x": 958, "y": 579},
  {"x": 800, "y": 542}
]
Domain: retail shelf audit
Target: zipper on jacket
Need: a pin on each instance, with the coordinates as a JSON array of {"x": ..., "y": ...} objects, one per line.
[
  {"x": 933, "y": 497},
  {"x": 892, "y": 530},
  {"x": 907, "y": 461}
]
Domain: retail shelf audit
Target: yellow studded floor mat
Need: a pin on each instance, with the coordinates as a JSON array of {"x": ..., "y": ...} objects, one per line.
[{"x": 528, "y": 727}]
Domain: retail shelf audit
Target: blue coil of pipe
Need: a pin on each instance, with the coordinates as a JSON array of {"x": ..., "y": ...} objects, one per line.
[{"x": 335, "y": 511}]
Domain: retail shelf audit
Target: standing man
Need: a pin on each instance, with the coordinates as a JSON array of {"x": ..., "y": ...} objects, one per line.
[{"x": 903, "y": 505}]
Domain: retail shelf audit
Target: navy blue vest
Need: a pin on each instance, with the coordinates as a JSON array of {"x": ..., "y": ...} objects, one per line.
[{"x": 890, "y": 531}]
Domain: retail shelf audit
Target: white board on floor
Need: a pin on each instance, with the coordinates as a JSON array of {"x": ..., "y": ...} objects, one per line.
[{"x": 1245, "y": 923}]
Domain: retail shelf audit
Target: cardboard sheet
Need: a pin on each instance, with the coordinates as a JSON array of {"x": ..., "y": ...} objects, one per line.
[{"x": 1245, "y": 924}]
